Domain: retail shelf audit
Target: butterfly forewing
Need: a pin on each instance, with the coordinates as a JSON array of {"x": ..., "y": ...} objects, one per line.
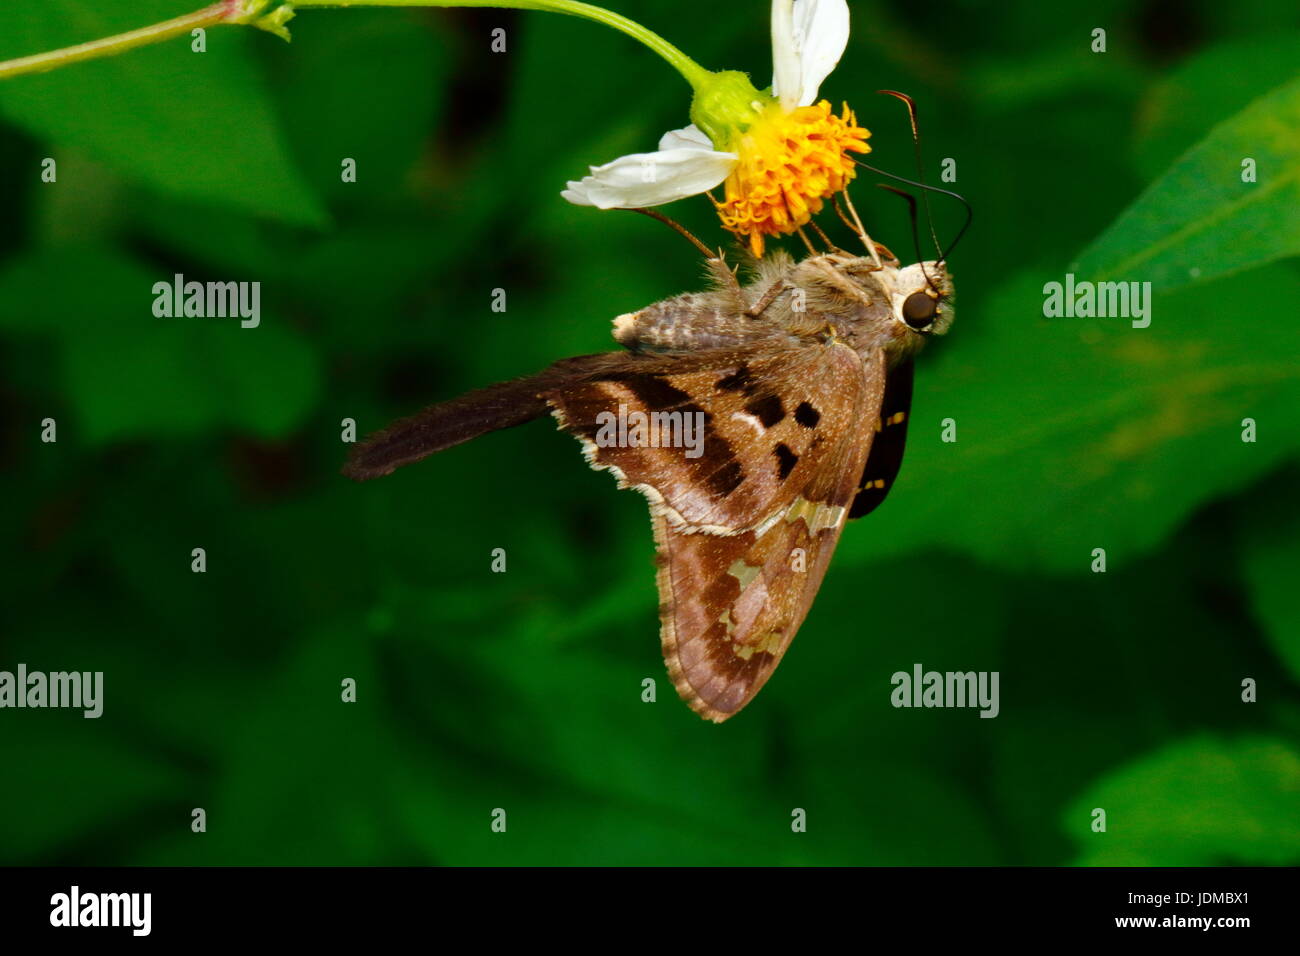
[{"x": 766, "y": 421}]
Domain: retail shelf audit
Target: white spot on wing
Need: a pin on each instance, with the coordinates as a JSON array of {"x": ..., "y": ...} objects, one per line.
[{"x": 749, "y": 420}]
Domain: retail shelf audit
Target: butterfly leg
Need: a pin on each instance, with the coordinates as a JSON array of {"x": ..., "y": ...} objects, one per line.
[
  {"x": 726, "y": 279},
  {"x": 855, "y": 224},
  {"x": 830, "y": 246},
  {"x": 678, "y": 228},
  {"x": 767, "y": 298},
  {"x": 726, "y": 282}
]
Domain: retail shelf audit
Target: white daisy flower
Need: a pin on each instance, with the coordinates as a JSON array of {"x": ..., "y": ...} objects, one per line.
[{"x": 781, "y": 153}]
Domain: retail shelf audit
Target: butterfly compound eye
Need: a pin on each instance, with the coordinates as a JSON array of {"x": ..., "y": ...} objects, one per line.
[{"x": 919, "y": 310}]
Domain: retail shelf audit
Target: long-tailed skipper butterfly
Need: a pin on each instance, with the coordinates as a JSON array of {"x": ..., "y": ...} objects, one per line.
[{"x": 801, "y": 382}]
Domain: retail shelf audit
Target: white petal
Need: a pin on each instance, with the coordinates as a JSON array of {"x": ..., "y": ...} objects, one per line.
[
  {"x": 786, "y": 74},
  {"x": 820, "y": 32},
  {"x": 651, "y": 179},
  {"x": 688, "y": 137}
]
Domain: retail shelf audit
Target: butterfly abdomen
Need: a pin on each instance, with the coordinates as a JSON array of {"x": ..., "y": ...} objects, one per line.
[{"x": 694, "y": 321}]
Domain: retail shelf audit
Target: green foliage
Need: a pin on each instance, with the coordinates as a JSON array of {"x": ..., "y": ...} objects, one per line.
[
  {"x": 1271, "y": 566},
  {"x": 1228, "y": 205},
  {"x": 522, "y": 690},
  {"x": 137, "y": 375},
  {"x": 203, "y": 133},
  {"x": 1094, "y": 434},
  {"x": 1197, "y": 802},
  {"x": 1192, "y": 98}
]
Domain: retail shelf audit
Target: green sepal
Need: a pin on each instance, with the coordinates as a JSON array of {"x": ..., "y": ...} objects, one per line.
[
  {"x": 268, "y": 15},
  {"x": 726, "y": 105}
]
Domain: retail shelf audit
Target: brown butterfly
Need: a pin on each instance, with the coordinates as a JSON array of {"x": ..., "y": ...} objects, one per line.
[{"x": 785, "y": 405}]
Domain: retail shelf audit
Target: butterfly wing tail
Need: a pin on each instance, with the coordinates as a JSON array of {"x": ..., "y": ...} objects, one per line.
[{"x": 441, "y": 426}]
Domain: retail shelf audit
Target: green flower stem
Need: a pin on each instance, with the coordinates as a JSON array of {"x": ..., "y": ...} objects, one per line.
[
  {"x": 683, "y": 64},
  {"x": 272, "y": 15},
  {"x": 108, "y": 46}
]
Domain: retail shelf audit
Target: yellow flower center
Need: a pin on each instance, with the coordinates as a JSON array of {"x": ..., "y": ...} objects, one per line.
[{"x": 790, "y": 163}]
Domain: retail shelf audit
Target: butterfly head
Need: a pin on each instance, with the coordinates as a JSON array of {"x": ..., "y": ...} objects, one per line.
[{"x": 922, "y": 298}]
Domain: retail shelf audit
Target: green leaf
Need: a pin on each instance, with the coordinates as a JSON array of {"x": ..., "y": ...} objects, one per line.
[
  {"x": 1271, "y": 565},
  {"x": 191, "y": 124},
  {"x": 1100, "y": 669},
  {"x": 1074, "y": 434},
  {"x": 1196, "y": 802},
  {"x": 127, "y": 372},
  {"x": 1178, "y": 109},
  {"x": 1200, "y": 221}
]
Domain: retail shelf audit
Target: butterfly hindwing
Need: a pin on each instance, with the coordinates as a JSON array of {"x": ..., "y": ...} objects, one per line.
[
  {"x": 891, "y": 438},
  {"x": 732, "y": 596}
]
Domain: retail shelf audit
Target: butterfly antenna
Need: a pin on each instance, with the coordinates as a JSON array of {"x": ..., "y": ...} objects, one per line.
[
  {"x": 916, "y": 233},
  {"x": 920, "y": 167},
  {"x": 970, "y": 213}
]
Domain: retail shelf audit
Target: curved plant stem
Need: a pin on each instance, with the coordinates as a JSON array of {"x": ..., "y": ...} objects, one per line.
[
  {"x": 108, "y": 46},
  {"x": 245, "y": 11}
]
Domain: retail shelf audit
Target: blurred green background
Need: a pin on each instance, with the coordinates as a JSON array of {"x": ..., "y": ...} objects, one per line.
[{"x": 522, "y": 690}]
